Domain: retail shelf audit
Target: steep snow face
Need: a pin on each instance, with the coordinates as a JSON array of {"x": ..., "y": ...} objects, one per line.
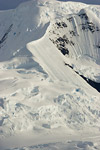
[
  {"x": 30, "y": 21},
  {"x": 78, "y": 35},
  {"x": 78, "y": 38},
  {"x": 21, "y": 23},
  {"x": 42, "y": 93}
]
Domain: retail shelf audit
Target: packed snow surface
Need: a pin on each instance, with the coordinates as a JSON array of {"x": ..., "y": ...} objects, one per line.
[{"x": 40, "y": 96}]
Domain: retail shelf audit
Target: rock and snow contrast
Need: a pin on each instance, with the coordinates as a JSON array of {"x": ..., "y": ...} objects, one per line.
[{"x": 50, "y": 76}]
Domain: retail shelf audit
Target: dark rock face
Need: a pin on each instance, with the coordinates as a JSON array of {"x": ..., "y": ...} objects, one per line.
[
  {"x": 61, "y": 25},
  {"x": 64, "y": 51},
  {"x": 67, "y": 33},
  {"x": 70, "y": 19},
  {"x": 89, "y": 26},
  {"x": 61, "y": 44},
  {"x": 73, "y": 33},
  {"x": 84, "y": 16}
]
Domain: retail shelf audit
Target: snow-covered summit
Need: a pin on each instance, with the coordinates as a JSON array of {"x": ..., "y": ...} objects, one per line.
[{"x": 45, "y": 45}]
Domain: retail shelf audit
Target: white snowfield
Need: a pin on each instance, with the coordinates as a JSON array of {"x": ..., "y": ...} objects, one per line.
[{"x": 44, "y": 103}]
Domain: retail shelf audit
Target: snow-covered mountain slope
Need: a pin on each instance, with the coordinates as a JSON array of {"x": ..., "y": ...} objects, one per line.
[
  {"x": 78, "y": 37},
  {"x": 96, "y": 2},
  {"x": 38, "y": 91},
  {"x": 11, "y": 4}
]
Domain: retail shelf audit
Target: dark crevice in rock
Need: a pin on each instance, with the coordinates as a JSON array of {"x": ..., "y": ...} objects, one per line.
[
  {"x": 98, "y": 46},
  {"x": 5, "y": 35},
  {"x": 2, "y": 103},
  {"x": 2, "y": 120},
  {"x": 89, "y": 81}
]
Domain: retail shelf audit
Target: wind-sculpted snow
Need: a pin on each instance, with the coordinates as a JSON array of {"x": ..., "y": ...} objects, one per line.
[
  {"x": 70, "y": 145},
  {"x": 38, "y": 91}
]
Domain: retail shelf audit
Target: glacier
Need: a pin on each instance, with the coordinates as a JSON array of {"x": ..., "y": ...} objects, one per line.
[{"x": 44, "y": 103}]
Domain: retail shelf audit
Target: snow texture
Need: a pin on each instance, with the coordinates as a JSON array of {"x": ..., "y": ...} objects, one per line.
[{"x": 38, "y": 92}]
